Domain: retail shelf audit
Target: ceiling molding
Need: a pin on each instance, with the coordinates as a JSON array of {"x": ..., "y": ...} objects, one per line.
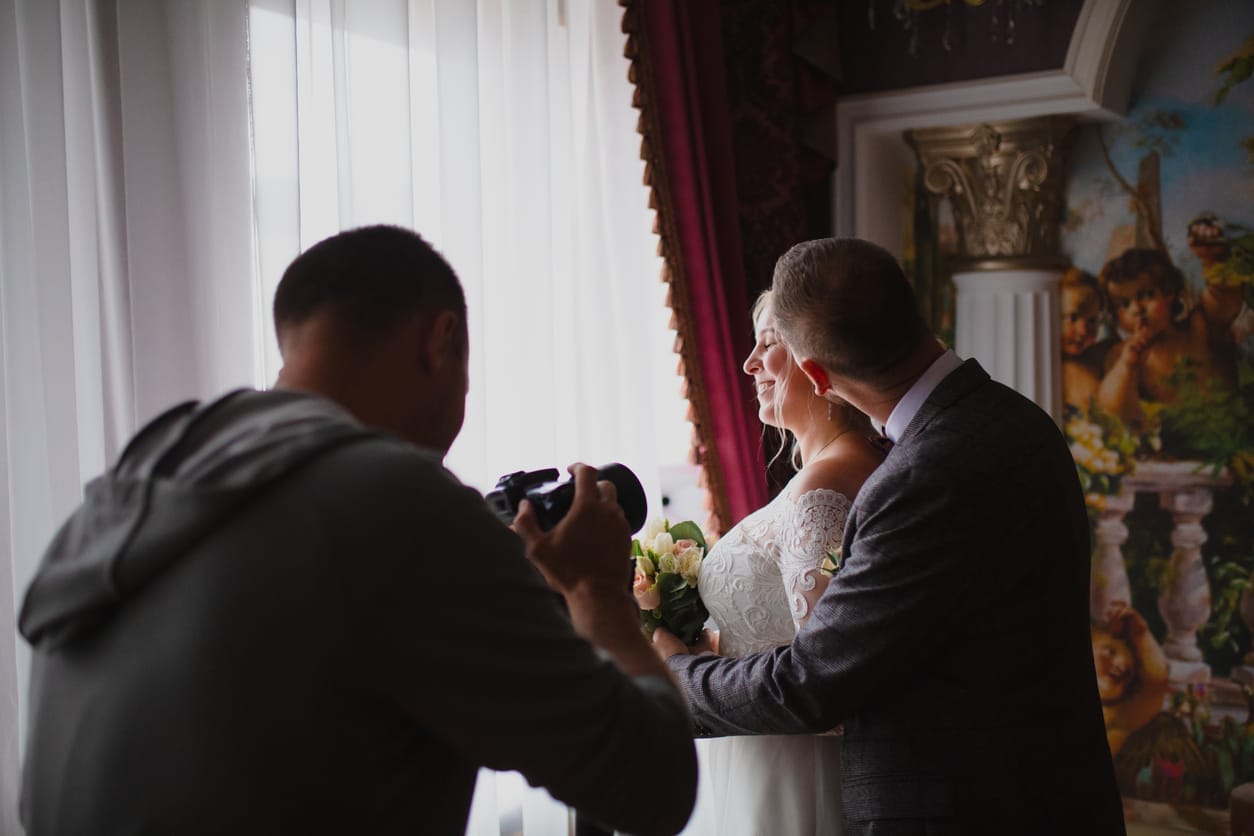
[
  {"x": 875, "y": 161},
  {"x": 1105, "y": 47}
]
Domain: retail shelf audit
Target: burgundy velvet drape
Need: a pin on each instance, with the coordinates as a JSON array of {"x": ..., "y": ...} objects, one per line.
[{"x": 678, "y": 68}]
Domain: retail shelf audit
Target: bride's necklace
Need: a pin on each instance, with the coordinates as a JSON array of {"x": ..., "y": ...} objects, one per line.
[{"x": 827, "y": 444}]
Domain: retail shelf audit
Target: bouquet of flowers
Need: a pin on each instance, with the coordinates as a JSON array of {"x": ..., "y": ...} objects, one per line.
[{"x": 668, "y": 564}]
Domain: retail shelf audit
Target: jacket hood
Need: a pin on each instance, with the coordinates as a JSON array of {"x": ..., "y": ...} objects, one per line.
[{"x": 180, "y": 478}]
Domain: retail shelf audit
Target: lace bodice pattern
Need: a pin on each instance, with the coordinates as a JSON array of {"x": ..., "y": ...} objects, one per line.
[{"x": 753, "y": 578}]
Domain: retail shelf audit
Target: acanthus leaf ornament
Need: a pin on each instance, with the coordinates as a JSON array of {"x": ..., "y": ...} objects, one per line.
[{"x": 1004, "y": 183}]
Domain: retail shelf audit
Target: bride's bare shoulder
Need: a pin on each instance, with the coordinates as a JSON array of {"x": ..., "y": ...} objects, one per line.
[{"x": 843, "y": 471}]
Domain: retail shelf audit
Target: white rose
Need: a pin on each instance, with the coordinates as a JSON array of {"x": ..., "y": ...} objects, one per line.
[
  {"x": 643, "y": 564},
  {"x": 652, "y": 529},
  {"x": 664, "y": 543},
  {"x": 689, "y": 561},
  {"x": 666, "y": 563}
]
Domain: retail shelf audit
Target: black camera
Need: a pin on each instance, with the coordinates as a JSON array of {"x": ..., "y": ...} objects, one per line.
[{"x": 551, "y": 499}]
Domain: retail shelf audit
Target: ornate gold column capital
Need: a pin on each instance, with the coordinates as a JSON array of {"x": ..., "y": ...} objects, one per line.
[{"x": 1004, "y": 181}]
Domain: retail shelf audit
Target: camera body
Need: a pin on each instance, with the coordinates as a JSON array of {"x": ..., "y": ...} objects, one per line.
[{"x": 551, "y": 499}]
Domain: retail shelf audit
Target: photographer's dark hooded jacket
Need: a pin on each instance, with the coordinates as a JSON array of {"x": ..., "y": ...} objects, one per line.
[{"x": 268, "y": 619}]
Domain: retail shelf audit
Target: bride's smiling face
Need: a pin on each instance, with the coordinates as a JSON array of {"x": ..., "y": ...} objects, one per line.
[{"x": 781, "y": 385}]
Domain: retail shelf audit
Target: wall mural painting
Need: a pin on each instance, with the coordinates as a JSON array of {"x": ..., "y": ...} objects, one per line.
[
  {"x": 1158, "y": 379},
  {"x": 1157, "y": 342}
]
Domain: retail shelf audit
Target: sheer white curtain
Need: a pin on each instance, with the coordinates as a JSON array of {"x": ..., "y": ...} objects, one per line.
[
  {"x": 162, "y": 160},
  {"x": 123, "y": 256},
  {"x": 502, "y": 130}
]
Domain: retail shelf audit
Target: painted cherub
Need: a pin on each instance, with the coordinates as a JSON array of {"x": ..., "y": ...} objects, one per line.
[
  {"x": 1144, "y": 291},
  {"x": 1082, "y": 355},
  {"x": 1131, "y": 672}
]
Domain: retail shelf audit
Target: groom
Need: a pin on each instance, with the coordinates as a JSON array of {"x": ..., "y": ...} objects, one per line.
[{"x": 953, "y": 639}]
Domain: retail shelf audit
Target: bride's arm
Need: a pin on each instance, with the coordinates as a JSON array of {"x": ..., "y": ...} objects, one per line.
[
  {"x": 809, "y": 549},
  {"x": 813, "y": 524}
]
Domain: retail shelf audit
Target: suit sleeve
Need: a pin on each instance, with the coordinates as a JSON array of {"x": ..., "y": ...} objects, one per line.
[
  {"x": 903, "y": 569},
  {"x": 462, "y": 632}
]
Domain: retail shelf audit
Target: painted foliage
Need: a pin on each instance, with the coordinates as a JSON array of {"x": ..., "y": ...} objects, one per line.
[{"x": 1158, "y": 379}]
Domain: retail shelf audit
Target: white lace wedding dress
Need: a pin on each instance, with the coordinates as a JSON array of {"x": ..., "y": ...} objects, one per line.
[{"x": 752, "y": 582}]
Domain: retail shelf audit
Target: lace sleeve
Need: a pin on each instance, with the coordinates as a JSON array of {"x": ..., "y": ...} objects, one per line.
[{"x": 812, "y": 526}]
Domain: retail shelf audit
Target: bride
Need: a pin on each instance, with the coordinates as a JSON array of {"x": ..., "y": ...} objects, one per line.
[{"x": 761, "y": 580}]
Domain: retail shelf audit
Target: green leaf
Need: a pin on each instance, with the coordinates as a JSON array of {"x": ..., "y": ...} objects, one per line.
[
  {"x": 669, "y": 582},
  {"x": 682, "y": 611},
  {"x": 650, "y": 621},
  {"x": 636, "y": 549},
  {"x": 688, "y": 530}
]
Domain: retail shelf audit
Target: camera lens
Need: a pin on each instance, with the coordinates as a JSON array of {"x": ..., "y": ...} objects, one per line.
[{"x": 553, "y": 501}]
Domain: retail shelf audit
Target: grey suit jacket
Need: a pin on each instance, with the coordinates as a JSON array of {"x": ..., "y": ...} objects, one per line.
[{"x": 953, "y": 643}]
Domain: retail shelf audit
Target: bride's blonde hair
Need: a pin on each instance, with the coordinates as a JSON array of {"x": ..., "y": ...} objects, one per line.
[{"x": 850, "y": 415}]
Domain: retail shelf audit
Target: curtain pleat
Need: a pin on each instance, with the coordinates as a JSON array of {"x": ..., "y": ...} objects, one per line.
[
  {"x": 124, "y": 270},
  {"x": 677, "y": 67},
  {"x": 502, "y": 132}
]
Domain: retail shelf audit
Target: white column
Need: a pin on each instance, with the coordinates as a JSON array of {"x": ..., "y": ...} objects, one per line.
[{"x": 1008, "y": 320}]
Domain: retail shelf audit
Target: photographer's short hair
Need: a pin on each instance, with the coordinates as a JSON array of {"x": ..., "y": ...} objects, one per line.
[
  {"x": 846, "y": 303},
  {"x": 370, "y": 280},
  {"x": 1142, "y": 261}
]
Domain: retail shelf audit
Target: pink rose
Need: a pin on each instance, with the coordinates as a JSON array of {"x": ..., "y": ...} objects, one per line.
[
  {"x": 684, "y": 545},
  {"x": 645, "y": 590}
]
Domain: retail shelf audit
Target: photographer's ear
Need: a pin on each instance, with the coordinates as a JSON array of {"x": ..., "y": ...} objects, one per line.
[{"x": 445, "y": 341}]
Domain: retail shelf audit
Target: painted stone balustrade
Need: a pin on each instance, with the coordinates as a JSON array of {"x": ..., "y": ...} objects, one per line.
[{"x": 1186, "y": 491}]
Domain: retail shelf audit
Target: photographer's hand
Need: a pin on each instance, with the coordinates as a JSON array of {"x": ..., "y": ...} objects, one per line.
[
  {"x": 586, "y": 557},
  {"x": 590, "y": 545}
]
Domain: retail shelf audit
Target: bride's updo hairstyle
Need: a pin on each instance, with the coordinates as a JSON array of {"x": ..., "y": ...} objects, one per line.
[{"x": 846, "y": 304}]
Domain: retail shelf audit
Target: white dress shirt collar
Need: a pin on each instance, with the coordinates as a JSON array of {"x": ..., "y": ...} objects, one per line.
[{"x": 905, "y": 410}]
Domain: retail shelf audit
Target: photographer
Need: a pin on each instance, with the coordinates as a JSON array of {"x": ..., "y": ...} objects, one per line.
[{"x": 279, "y": 613}]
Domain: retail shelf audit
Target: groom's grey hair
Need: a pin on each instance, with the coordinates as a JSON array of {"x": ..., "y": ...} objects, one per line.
[{"x": 847, "y": 304}]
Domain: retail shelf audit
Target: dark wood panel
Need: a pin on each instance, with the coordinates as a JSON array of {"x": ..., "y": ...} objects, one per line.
[{"x": 877, "y": 59}]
